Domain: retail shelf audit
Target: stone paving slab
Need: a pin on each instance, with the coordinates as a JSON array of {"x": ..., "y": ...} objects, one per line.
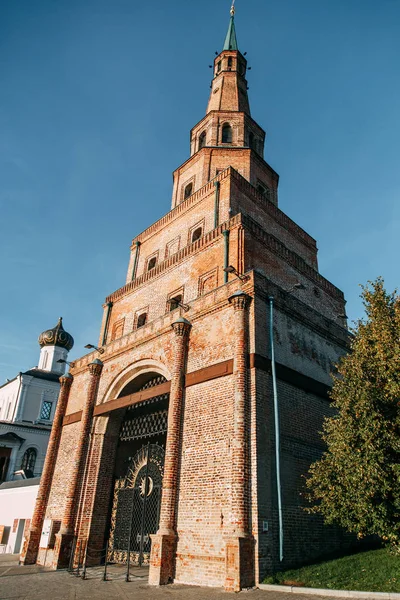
[
  {"x": 37, "y": 583},
  {"x": 61, "y": 585}
]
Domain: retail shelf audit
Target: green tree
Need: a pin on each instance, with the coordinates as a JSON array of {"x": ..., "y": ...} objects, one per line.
[{"x": 357, "y": 481}]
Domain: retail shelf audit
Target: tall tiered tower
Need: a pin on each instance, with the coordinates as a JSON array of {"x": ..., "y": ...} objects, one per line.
[{"x": 173, "y": 431}]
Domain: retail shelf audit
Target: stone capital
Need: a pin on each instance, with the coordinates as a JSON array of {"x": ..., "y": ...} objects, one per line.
[
  {"x": 66, "y": 380},
  {"x": 181, "y": 327},
  {"x": 96, "y": 367},
  {"x": 240, "y": 300}
]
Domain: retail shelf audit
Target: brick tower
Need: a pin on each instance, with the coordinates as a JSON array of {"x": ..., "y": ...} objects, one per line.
[{"x": 168, "y": 446}]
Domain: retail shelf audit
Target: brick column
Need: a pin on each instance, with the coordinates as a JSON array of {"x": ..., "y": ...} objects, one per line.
[
  {"x": 239, "y": 551},
  {"x": 163, "y": 547},
  {"x": 64, "y": 538},
  {"x": 31, "y": 545}
]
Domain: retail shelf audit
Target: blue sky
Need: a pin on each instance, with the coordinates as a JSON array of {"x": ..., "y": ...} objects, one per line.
[{"x": 97, "y": 98}]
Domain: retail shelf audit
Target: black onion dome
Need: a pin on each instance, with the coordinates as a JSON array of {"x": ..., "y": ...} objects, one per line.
[{"x": 56, "y": 337}]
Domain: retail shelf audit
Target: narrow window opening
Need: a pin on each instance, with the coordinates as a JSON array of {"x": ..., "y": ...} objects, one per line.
[
  {"x": 175, "y": 302},
  {"x": 251, "y": 141},
  {"x": 45, "y": 412},
  {"x": 152, "y": 263},
  {"x": 197, "y": 233},
  {"x": 264, "y": 190},
  {"x": 202, "y": 140},
  {"x": 219, "y": 65},
  {"x": 230, "y": 63},
  {"x": 142, "y": 320},
  {"x": 261, "y": 189},
  {"x": 227, "y": 134},
  {"x": 188, "y": 190}
]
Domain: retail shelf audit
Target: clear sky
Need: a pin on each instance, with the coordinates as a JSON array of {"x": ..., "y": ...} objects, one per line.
[{"x": 97, "y": 98}]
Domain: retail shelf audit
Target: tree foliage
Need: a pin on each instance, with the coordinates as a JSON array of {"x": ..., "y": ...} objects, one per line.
[{"x": 357, "y": 481}]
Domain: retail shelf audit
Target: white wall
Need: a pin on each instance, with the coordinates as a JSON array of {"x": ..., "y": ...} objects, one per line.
[
  {"x": 8, "y": 398},
  {"x": 16, "y": 503}
]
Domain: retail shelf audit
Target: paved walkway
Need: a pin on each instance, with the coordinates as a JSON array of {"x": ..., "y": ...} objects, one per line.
[{"x": 36, "y": 583}]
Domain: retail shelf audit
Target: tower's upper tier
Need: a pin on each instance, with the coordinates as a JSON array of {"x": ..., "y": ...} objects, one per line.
[{"x": 229, "y": 86}]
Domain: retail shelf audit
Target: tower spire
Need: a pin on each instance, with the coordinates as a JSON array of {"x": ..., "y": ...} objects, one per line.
[{"x": 231, "y": 39}]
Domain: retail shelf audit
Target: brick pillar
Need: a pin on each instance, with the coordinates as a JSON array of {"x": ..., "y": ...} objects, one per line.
[
  {"x": 31, "y": 544},
  {"x": 64, "y": 538},
  {"x": 163, "y": 547},
  {"x": 239, "y": 550}
]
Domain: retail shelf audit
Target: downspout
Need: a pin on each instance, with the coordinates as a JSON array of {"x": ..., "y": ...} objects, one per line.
[
  {"x": 135, "y": 262},
  {"x": 216, "y": 205},
  {"x": 226, "y": 233},
  {"x": 277, "y": 435},
  {"x": 109, "y": 307}
]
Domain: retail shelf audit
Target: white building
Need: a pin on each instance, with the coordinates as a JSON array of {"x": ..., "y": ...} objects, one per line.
[
  {"x": 27, "y": 406},
  {"x": 17, "y": 502}
]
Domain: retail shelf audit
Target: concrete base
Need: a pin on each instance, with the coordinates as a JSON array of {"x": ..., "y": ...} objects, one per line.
[
  {"x": 162, "y": 559},
  {"x": 62, "y": 550},
  {"x": 30, "y": 549},
  {"x": 239, "y": 564}
]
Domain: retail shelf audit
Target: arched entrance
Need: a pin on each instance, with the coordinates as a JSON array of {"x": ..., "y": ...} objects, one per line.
[{"x": 139, "y": 468}]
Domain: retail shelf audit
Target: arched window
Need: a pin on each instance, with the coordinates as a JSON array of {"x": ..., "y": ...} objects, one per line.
[
  {"x": 227, "y": 134},
  {"x": 188, "y": 190},
  {"x": 152, "y": 263},
  {"x": 230, "y": 63},
  {"x": 197, "y": 233},
  {"x": 29, "y": 461},
  {"x": 142, "y": 320},
  {"x": 202, "y": 140}
]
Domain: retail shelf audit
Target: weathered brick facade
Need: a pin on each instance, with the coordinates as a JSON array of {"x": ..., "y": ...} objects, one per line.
[{"x": 218, "y": 521}]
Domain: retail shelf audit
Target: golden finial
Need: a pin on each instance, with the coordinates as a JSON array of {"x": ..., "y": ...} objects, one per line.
[{"x": 233, "y": 8}]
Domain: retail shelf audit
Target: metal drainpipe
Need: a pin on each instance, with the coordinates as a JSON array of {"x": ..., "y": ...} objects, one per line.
[
  {"x": 216, "y": 206},
  {"x": 226, "y": 253},
  {"x": 109, "y": 307},
  {"x": 135, "y": 263},
  {"x": 277, "y": 434}
]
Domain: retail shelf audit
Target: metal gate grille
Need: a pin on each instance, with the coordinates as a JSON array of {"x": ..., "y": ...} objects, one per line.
[{"x": 136, "y": 507}]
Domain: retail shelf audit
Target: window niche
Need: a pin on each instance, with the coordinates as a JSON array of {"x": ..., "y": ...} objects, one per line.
[
  {"x": 151, "y": 263},
  {"x": 188, "y": 191},
  {"x": 252, "y": 144},
  {"x": 227, "y": 134},
  {"x": 202, "y": 140},
  {"x": 263, "y": 189},
  {"x": 208, "y": 282},
  {"x": 175, "y": 300},
  {"x": 197, "y": 234},
  {"x": 141, "y": 320},
  {"x": 118, "y": 329}
]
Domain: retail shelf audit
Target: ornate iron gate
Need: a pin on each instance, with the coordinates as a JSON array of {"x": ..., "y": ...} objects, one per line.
[{"x": 136, "y": 507}]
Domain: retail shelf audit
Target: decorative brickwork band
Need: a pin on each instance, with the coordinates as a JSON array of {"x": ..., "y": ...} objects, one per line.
[
  {"x": 31, "y": 545},
  {"x": 162, "y": 563},
  {"x": 239, "y": 546},
  {"x": 64, "y": 538}
]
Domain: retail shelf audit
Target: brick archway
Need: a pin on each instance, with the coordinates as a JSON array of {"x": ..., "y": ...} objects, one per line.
[{"x": 94, "y": 519}]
